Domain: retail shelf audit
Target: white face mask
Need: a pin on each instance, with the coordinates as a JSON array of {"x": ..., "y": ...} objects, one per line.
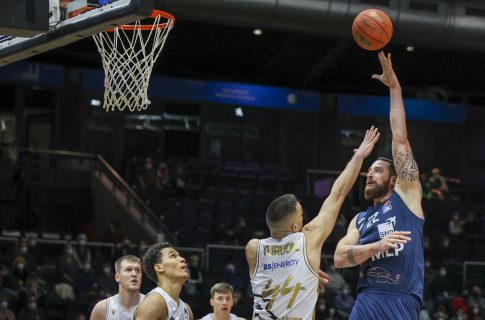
[
  {"x": 4, "y": 304},
  {"x": 32, "y": 305}
]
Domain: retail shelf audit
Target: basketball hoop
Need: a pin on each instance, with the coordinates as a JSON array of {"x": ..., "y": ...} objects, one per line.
[{"x": 129, "y": 53}]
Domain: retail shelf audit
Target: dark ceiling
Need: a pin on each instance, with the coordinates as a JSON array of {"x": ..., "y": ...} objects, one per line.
[{"x": 227, "y": 53}]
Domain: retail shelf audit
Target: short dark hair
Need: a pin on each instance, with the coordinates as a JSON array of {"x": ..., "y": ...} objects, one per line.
[
  {"x": 129, "y": 258},
  {"x": 392, "y": 168},
  {"x": 153, "y": 256},
  {"x": 222, "y": 287},
  {"x": 280, "y": 208}
]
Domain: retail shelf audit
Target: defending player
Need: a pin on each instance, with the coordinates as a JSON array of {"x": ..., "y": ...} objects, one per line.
[{"x": 284, "y": 268}]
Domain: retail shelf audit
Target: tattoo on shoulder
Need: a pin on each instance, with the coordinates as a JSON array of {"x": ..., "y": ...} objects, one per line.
[{"x": 406, "y": 166}]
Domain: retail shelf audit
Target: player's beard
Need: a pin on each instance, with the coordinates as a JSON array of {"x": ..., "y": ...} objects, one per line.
[{"x": 377, "y": 190}]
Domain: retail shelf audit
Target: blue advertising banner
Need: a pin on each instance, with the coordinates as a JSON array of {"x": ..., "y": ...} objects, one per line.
[
  {"x": 40, "y": 74},
  {"x": 375, "y": 106},
  {"x": 236, "y": 94}
]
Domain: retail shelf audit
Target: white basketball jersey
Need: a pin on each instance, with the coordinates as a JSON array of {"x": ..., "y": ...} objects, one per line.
[
  {"x": 211, "y": 316},
  {"x": 115, "y": 311},
  {"x": 284, "y": 285},
  {"x": 175, "y": 311}
]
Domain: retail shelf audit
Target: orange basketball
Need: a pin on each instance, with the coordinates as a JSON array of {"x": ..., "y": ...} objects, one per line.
[{"x": 372, "y": 29}]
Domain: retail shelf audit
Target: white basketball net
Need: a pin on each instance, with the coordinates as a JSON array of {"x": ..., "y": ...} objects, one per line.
[{"x": 128, "y": 59}]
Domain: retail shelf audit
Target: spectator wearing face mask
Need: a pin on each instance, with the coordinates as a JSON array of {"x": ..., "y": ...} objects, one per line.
[
  {"x": 476, "y": 297},
  {"x": 5, "y": 312},
  {"x": 344, "y": 303},
  {"x": 23, "y": 251},
  {"x": 441, "y": 286},
  {"x": 83, "y": 279},
  {"x": 459, "y": 315},
  {"x": 106, "y": 281},
  {"x": 69, "y": 264},
  {"x": 338, "y": 282},
  {"x": 322, "y": 311},
  {"x": 30, "y": 311},
  {"x": 83, "y": 251},
  {"x": 20, "y": 273}
]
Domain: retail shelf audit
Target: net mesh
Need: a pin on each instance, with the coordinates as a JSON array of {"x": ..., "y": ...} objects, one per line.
[{"x": 129, "y": 54}]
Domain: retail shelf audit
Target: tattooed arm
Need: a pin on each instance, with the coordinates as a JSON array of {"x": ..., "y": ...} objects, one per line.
[{"x": 408, "y": 185}]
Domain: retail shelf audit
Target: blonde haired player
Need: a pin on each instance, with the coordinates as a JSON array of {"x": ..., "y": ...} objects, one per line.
[
  {"x": 284, "y": 268},
  {"x": 122, "y": 305},
  {"x": 222, "y": 300}
]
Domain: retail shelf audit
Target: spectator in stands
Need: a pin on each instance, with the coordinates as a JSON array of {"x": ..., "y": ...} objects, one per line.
[
  {"x": 426, "y": 186},
  {"x": 441, "y": 250},
  {"x": 162, "y": 180},
  {"x": 459, "y": 303},
  {"x": 34, "y": 250},
  {"x": 195, "y": 270},
  {"x": 344, "y": 303},
  {"x": 6, "y": 282},
  {"x": 441, "y": 286},
  {"x": 5, "y": 312},
  {"x": 23, "y": 251},
  {"x": 113, "y": 234},
  {"x": 231, "y": 277},
  {"x": 476, "y": 297},
  {"x": 471, "y": 227},
  {"x": 84, "y": 279},
  {"x": 440, "y": 313},
  {"x": 83, "y": 252},
  {"x": 20, "y": 273},
  {"x": 142, "y": 248},
  {"x": 456, "y": 225},
  {"x": 146, "y": 178},
  {"x": 322, "y": 312},
  {"x": 242, "y": 233},
  {"x": 107, "y": 283},
  {"x": 125, "y": 248},
  {"x": 30, "y": 311},
  {"x": 180, "y": 179},
  {"x": 69, "y": 264},
  {"x": 338, "y": 282},
  {"x": 222, "y": 301},
  {"x": 459, "y": 315}
]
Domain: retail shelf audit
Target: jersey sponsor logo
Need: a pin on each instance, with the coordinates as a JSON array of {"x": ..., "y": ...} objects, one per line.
[
  {"x": 186, "y": 314},
  {"x": 383, "y": 276},
  {"x": 386, "y": 227},
  {"x": 387, "y": 206},
  {"x": 280, "y": 265},
  {"x": 278, "y": 250},
  {"x": 393, "y": 252}
]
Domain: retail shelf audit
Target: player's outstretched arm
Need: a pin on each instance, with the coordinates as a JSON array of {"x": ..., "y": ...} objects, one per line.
[
  {"x": 408, "y": 185},
  {"x": 153, "y": 307},
  {"x": 99, "y": 311},
  {"x": 317, "y": 230},
  {"x": 349, "y": 253}
]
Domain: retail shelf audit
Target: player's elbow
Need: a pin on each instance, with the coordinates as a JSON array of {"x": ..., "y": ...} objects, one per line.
[{"x": 338, "y": 260}]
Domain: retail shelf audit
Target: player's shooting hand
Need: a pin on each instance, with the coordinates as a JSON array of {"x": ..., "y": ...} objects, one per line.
[
  {"x": 370, "y": 140},
  {"x": 388, "y": 76},
  {"x": 323, "y": 279},
  {"x": 392, "y": 240}
]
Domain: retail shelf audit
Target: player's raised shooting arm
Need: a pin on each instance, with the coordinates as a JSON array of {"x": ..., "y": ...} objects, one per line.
[
  {"x": 349, "y": 253},
  {"x": 408, "y": 184},
  {"x": 322, "y": 225}
]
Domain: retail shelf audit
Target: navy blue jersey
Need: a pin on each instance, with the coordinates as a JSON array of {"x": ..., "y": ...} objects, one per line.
[{"x": 400, "y": 269}]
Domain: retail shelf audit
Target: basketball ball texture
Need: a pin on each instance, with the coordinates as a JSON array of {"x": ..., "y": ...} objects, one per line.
[{"x": 372, "y": 29}]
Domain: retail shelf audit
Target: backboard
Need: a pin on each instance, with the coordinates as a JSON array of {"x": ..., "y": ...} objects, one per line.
[{"x": 70, "y": 21}]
